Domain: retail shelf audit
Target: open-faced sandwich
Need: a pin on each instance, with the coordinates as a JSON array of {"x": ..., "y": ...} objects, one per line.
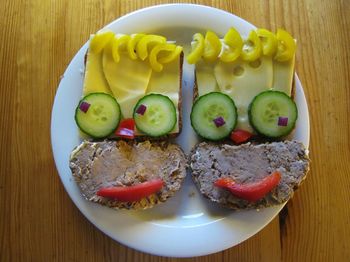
[
  {"x": 131, "y": 94},
  {"x": 243, "y": 91}
]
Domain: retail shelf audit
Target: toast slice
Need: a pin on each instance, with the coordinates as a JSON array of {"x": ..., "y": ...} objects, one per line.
[
  {"x": 249, "y": 163},
  {"x": 105, "y": 164}
]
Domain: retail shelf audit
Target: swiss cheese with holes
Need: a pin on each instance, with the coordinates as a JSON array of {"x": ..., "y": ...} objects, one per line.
[{"x": 242, "y": 81}]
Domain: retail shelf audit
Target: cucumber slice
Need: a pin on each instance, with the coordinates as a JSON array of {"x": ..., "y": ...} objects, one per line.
[
  {"x": 209, "y": 107},
  {"x": 159, "y": 116},
  {"x": 267, "y": 108},
  {"x": 101, "y": 117}
]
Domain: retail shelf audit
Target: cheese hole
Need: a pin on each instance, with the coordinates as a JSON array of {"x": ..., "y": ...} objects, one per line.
[
  {"x": 255, "y": 64},
  {"x": 238, "y": 71}
]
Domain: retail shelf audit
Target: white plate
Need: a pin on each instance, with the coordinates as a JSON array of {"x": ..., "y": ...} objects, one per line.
[{"x": 187, "y": 225}]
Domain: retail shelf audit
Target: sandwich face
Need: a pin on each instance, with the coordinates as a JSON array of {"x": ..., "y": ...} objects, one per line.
[
  {"x": 131, "y": 90},
  {"x": 108, "y": 164},
  {"x": 248, "y": 164}
]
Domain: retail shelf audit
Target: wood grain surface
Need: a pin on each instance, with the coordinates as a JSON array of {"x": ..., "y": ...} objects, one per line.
[{"x": 39, "y": 222}]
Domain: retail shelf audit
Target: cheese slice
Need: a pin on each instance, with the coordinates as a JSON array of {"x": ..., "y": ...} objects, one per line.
[
  {"x": 167, "y": 82},
  {"x": 283, "y": 75},
  {"x": 128, "y": 79},
  {"x": 242, "y": 81},
  {"x": 94, "y": 79},
  {"x": 205, "y": 78},
  {"x": 127, "y": 105}
]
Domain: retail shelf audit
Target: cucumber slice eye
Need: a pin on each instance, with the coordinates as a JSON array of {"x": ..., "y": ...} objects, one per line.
[
  {"x": 159, "y": 117},
  {"x": 266, "y": 109},
  {"x": 101, "y": 117},
  {"x": 209, "y": 107}
]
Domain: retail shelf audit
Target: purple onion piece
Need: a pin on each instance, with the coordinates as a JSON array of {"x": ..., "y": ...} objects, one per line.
[
  {"x": 141, "y": 109},
  {"x": 219, "y": 121},
  {"x": 282, "y": 121},
  {"x": 84, "y": 106}
]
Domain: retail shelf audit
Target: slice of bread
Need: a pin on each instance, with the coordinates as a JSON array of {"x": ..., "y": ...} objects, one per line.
[
  {"x": 249, "y": 163},
  {"x": 97, "y": 165}
]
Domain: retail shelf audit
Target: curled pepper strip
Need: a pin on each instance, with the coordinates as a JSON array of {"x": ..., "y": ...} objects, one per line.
[
  {"x": 286, "y": 46},
  {"x": 252, "y": 49},
  {"x": 268, "y": 40},
  {"x": 233, "y": 46},
  {"x": 145, "y": 42},
  {"x": 100, "y": 40},
  {"x": 212, "y": 47},
  {"x": 120, "y": 41},
  {"x": 171, "y": 56},
  {"x": 153, "y": 60},
  {"x": 197, "y": 49},
  {"x": 131, "y": 46}
]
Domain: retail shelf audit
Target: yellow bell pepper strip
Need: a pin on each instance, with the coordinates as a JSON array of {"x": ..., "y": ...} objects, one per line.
[
  {"x": 100, "y": 40},
  {"x": 251, "y": 50},
  {"x": 212, "y": 47},
  {"x": 146, "y": 42},
  {"x": 233, "y": 44},
  {"x": 171, "y": 56},
  {"x": 268, "y": 40},
  {"x": 286, "y": 46},
  {"x": 153, "y": 60},
  {"x": 119, "y": 42},
  {"x": 197, "y": 49},
  {"x": 131, "y": 46}
]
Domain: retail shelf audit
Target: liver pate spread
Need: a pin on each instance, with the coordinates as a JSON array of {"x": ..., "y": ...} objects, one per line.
[
  {"x": 249, "y": 163},
  {"x": 117, "y": 163}
]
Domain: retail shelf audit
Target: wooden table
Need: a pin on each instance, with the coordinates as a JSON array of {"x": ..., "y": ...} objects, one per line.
[{"x": 39, "y": 222}]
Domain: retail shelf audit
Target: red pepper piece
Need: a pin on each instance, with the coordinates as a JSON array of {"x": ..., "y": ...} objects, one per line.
[
  {"x": 253, "y": 191},
  {"x": 132, "y": 193},
  {"x": 239, "y": 136},
  {"x": 126, "y": 128}
]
